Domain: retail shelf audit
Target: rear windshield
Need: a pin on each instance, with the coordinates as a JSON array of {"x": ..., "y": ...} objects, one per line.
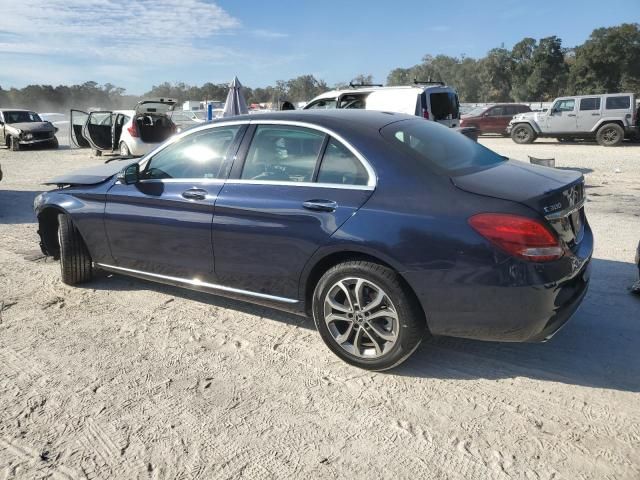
[
  {"x": 444, "y": 105},
  {"x": 442, "y": 149}
]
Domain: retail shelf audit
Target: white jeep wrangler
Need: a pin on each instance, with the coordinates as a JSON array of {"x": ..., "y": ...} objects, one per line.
[{"x": 607, "y": 118}]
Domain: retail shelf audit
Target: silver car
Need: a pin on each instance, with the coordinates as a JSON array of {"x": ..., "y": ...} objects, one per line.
[{"x": 607, "y": 118}]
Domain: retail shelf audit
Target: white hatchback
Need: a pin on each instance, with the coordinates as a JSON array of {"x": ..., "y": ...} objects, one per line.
[{"x": 128, "y": 132}]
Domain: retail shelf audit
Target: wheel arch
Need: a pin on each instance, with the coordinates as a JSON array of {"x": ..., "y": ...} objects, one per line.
[
  {"x": 606, "y": 121},
  {"x": 314, "y": 272},
  {"x": 48, "y": 229},
  {"x": 533, "y": 125}
]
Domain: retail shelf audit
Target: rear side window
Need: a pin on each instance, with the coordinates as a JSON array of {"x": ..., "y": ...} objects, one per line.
[
  {"x": 340, "y": 165},
  {"x": 497, "y": 111},
  {"x": 590, "y": 104},
  {"x": 618, "y": 103},
  {"x": 444, "y": 105},
  {"x": 199, "y": 155},
  {"x": 284, "y": 153},
  {"x": 445, "y": 151}
]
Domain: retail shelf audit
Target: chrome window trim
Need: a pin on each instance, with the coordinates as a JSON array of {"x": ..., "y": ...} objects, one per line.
[
  {"x": 283, "y": 183},
  {"x": 199, "y": 283},
  {"x": 372, "y": 179},
  {"x": 205, "y": 181}
]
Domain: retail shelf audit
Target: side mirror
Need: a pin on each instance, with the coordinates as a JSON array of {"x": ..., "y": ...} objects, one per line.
[{"x": 130, "y": 175}]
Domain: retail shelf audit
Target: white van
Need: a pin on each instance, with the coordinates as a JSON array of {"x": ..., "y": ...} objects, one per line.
[{"x": 433, "y": 101}]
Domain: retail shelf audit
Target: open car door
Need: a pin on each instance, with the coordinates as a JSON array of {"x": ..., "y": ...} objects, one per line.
[
  {"x": 98, "y": 130},
  {"x": 119, "y": 120},
  {"x": 77, "y": 121}
]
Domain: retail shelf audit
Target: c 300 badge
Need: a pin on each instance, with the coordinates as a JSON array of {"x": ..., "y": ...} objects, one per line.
[{"x": 553, "y": 208}]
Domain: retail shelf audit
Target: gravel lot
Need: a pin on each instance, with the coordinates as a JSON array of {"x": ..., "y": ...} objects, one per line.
[{"x": 127, "y": 379}]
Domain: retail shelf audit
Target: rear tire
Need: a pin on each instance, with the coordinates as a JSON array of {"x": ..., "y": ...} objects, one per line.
[
  {"x": 124, "y": 150},
  {"x": 379, "y": 333},
  {"x": 75, "y": 261},
  {"x": 522, "y": 133},
  {"x": 610, "y": 135},
  {"x": 14, "y": 144}
]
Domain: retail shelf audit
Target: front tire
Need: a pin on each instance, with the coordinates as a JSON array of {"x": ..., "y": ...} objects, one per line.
[
  {"x": 522, "y": 133},
  {"x": 365, "y": 316},
  {"x": 610, "y": 135},
  {"x": 75, "y": 261},
  {"x": 14, "y": 144},
  {"x": 53, "y": 144}
]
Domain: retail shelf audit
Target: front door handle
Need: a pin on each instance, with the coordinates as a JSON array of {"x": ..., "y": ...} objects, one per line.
[
  {"x": 320, "y": 205},
  {"x": 571, "y": 115},
  {"x": 195, "y": 194},
  {"x": 595, "y": 114}
]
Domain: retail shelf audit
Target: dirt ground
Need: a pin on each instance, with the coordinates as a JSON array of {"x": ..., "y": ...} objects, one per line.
[{"x": 123, "y": 378}]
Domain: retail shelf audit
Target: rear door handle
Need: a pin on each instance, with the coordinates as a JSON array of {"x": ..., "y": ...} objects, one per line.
[
  {"x": 595, "y": 114},
  {"x": 571, "y": 115},
  {"x": 195, "y": 194},
  {"x": 320, "y": 205}
]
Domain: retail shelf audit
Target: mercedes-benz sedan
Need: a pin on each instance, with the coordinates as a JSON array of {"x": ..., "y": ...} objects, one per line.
[{"x": 383, "y": 227}]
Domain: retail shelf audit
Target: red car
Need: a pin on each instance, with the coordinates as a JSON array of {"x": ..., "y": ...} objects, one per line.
[{"x": 493, "y": 118}]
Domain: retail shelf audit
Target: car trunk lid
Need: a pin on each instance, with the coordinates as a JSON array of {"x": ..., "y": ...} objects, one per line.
[
  {"x": 557, "y": 195},
  {"x": 156, "y": 105}
]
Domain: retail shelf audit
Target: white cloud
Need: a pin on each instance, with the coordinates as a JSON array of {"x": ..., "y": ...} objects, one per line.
[
  {"x": 260, "y": 33},
  {"x": 100, "y": 39}
]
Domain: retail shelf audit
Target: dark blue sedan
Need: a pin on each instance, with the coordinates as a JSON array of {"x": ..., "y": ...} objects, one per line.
[{"x": 384, "y": 227}]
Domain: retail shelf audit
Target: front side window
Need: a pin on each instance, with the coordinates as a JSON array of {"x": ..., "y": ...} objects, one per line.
[
  {"x": 323, "y": 104},
  {"x": 199, "y": 155},
  {"x": 496, "y": 112},
  {"x": 618, "y": 103},
  {"x": 282, "y": 153},
  {"x": 590, "y": 104},
  {"x": 564, "y": 105},
  {"x": 339, "y": 165},
  {"x": 442, "y": 150}
]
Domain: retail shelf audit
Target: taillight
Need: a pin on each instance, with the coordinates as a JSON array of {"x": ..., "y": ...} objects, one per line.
[
  {"x": 521, "y": 237},
  {"x": 425, "y": 114},
  {"x": 133, "y": 130}
]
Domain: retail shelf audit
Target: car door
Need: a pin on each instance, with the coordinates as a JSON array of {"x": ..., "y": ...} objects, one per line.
[
  {"x": 286, "y": 196},
  {"x": 2, "y": 130},
  {"x": 162, "y": 224},
  {"x": 119, "y": 121},
  {"x": 98, "y": 130},
  {"x": 77, "y": 121},
  {"x": 493, "y": 119},
  {"x": 561, "y": 117},
  {"x": 588, "y": 114}
]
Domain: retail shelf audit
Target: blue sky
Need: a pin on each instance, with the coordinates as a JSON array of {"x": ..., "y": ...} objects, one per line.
[{"x": 138, "y": 43}]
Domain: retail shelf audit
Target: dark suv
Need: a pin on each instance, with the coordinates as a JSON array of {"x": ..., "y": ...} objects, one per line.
[{"x": 493, "y": 118}]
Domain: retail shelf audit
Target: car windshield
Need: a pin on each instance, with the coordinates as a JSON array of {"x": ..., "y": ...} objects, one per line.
[
  {"x": 21, "y": 117},
  {"x": 476, "y": 112},
  {"x": 445, "y": 151}
]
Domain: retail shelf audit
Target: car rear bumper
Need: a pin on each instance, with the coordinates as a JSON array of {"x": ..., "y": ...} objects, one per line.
[{"x": 512, "y": 302}]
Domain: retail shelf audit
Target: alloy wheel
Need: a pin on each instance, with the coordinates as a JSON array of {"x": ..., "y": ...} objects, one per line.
[
  {"x": 610, "y": 135},
  {"x": 522, "y": 134},
  {"x": 361, "y": 318}
]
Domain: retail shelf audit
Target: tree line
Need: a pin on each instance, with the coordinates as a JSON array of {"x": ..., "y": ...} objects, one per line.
[{"x": 533, "y": 70}]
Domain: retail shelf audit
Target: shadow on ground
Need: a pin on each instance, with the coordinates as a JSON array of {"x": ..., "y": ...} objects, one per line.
[
  {"x": 16, "y": 206},
  {"x": 598, "y": 348}
]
